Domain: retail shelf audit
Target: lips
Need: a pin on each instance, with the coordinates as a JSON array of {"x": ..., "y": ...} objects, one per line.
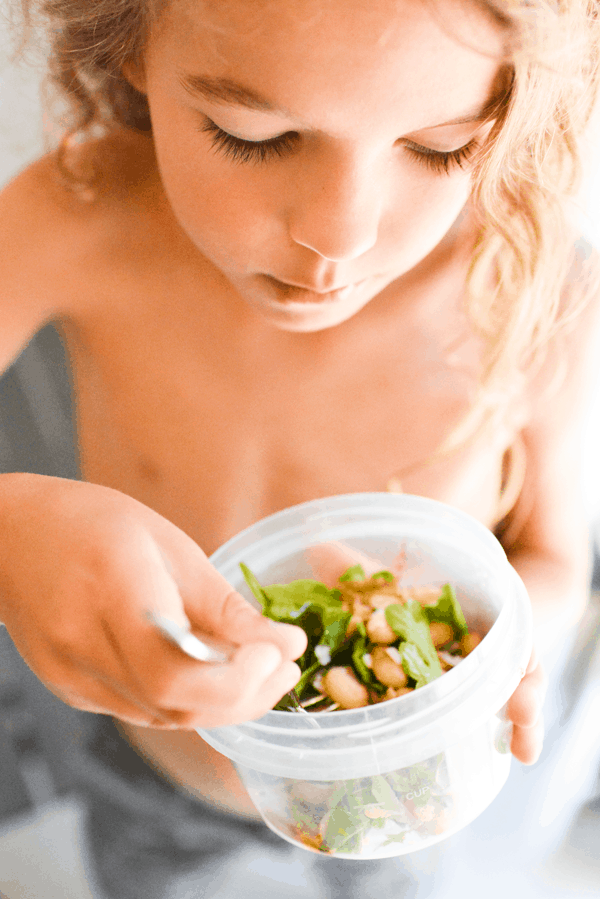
[{"x": 307, "y": 294}]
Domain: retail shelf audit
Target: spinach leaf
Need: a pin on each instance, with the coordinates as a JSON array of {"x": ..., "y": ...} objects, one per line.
[
  {"x": 286, "y": 598},
  {"x": 410, "y": 622},
  {"x": 448, "y": 609},
  {"x": 335, "y": 624},
  {"x": 415, "y": 667}
]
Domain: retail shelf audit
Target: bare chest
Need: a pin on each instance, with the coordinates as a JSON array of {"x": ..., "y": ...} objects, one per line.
[{"x": 215, "y": 430}]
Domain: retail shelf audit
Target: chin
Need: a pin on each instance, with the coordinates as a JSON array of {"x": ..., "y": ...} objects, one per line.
[{"x": 306, "y": 320}]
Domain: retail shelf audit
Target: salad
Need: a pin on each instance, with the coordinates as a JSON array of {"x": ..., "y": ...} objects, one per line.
[{"x": 369, "y": 640}]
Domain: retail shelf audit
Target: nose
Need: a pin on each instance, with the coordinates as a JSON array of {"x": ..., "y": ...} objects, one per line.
[{"x": 337, "y": 208}]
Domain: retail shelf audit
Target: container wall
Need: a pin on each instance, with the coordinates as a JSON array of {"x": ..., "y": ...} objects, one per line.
[{"x": 387, "y": 814}]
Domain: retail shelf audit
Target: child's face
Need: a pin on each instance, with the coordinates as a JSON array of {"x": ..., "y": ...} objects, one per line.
[{"x": 310, "y": 153}]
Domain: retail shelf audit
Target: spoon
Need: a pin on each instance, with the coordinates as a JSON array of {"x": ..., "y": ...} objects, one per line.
[{"x": 206, "y": 652}]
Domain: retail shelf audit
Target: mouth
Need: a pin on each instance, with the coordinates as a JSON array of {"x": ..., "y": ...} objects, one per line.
[{"x": 299, "y": 293}]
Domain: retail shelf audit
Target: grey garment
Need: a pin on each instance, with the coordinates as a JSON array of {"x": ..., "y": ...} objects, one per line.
[{"x": 37, "y": 432}]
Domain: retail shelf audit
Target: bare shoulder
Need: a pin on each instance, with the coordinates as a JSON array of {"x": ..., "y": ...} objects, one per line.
[{"x": 56, "y": 242}]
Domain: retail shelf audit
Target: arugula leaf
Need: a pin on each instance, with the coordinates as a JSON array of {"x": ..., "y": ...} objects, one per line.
[
  {"x": 255, "y": 587},
  {"x": 410, "y": 622},
  {"x": 354, "y": 573},
  {"x": 415, "y": 667},
  {"x": 448, "y": 609}
]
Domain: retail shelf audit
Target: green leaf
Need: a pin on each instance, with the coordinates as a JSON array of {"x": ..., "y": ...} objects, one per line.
[
  {"x": 411, "y": 624},
  {"x": 343, "y": 832},
  {"x": 287, "y": 598},
  {"x": 415, "y": 666},
  {"x": 384, "y": 794},
  {"x": 395, "y": 838},
  {"x": 255, "y": 587},
  {"x": 384, "y": 575},
  {"x": 354, "y": 573},
  {"x": 306, "y": 679},
  {"x": 358, "y": 650},
  {"x": 335, "y": 624},
  {"x": 448, "y": 609},
  {"x": 308, "y": 617}
]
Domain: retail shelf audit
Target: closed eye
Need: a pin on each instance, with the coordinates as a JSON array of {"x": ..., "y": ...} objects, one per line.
[
  {"x": 440, "y": 161},
  {"x": 239, "y": 150},
  {"x": 248, "y": 151}
]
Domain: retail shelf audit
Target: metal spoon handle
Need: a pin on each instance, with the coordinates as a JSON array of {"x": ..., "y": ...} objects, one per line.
[{"x": 186, "y": 641}]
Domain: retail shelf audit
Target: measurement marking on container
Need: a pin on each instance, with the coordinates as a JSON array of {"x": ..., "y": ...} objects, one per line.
[{"x": 418, "y": 793}]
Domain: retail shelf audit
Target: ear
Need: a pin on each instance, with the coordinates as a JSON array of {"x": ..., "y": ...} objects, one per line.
[{"x": 133, "y": 71}]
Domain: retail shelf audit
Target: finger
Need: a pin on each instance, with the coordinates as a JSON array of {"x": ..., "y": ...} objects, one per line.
[
  {"x": 527, "y": 743},
  {"x": 330, "y": 560},
  {"x": 248, "y": 687},
  {"x": 525, "y": 705},
  {"x": 533, "y": 661}
]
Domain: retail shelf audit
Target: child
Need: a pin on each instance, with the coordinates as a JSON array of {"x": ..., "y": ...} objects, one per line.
[{"x": 295, "y": 249}]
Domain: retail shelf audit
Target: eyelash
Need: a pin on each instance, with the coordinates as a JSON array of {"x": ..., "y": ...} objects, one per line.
[{"x": 247, "y": 151}]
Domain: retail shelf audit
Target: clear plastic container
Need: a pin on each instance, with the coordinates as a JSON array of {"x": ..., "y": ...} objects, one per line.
[{"x": 390, "y": 778}]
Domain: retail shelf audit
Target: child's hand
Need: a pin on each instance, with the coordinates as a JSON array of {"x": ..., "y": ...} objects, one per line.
[
  {"x": 80, "y": 566},
  {"x": 524, "y": 709}
]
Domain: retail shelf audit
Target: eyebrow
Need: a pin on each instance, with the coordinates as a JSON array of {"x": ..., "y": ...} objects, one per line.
[{"x": 223, "y": 90}]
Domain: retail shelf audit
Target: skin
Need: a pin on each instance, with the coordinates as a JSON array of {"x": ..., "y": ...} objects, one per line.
[{"x": 192, "y": 367}]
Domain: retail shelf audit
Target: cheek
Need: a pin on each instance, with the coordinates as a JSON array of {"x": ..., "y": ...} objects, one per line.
[
  {"x": 213, "y": 199},
  {"x": 424, "y": 211}
]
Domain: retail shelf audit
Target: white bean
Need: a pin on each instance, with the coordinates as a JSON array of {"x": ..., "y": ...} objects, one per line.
[
  {"x": 379, "y": 630},
  {"x": 342, "y": 685}
]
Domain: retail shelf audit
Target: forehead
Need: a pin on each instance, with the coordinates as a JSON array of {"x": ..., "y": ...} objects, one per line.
[{"x": 338, "y": 55}]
